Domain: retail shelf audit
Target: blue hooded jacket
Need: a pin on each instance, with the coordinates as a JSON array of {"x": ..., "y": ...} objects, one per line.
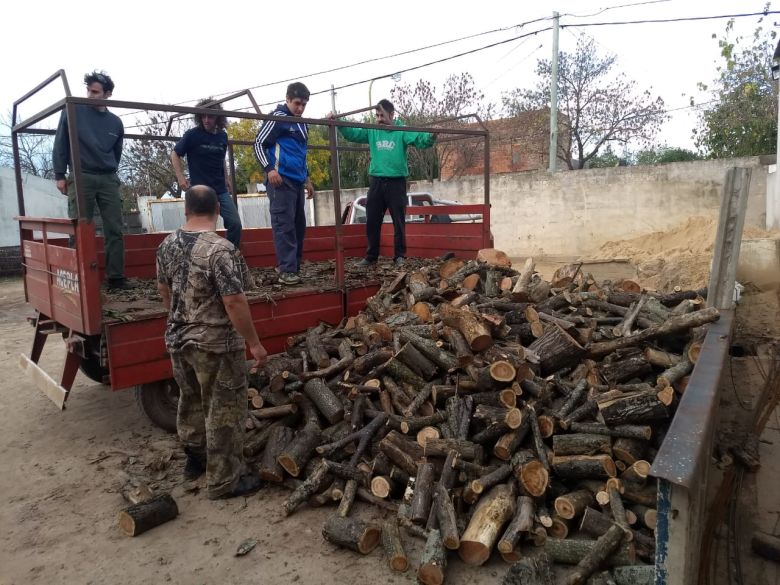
[{"x": 282, "y": 146}]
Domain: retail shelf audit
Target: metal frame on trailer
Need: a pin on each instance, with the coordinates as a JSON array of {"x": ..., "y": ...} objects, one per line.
[{"x": 75, "y": 309}]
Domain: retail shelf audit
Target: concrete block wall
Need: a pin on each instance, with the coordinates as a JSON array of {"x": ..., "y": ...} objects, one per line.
[{"x": 572, "y": 213}]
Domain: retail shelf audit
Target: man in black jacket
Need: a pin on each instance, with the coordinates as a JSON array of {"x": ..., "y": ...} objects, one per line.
[{"x": 100, "y": 147}]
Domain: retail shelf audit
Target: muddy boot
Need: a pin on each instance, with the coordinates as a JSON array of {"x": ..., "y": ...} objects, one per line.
[{"x": 195, "y": 465}]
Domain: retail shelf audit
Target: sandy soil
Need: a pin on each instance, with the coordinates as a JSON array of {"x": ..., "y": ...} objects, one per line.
[{"x": 60, "y": 492}]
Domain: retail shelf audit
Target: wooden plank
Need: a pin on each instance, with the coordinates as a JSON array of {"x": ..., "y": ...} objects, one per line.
[{"x": 45, "y": 383}]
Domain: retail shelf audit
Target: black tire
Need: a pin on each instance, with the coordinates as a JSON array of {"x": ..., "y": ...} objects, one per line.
[
  {"x": 90, "y": 366},
  {"x": 159, "y": 402}
]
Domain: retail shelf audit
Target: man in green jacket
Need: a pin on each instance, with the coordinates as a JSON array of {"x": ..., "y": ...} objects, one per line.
[{"x": 387, "y": 178}]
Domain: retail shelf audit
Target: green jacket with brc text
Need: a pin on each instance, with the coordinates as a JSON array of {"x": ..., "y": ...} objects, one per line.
[{"x": 388, "y": 147}]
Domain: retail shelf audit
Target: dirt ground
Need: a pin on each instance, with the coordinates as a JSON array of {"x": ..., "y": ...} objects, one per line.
[{"x": 60, "y": 493}]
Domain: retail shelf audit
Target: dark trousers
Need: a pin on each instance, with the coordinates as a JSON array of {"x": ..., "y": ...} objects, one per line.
[
  {"x": 102, "y": 191},
  {"x": 288, "y": 222},
  {"x": 231, "y": 219},
  {"x": 386, "y": 193}
]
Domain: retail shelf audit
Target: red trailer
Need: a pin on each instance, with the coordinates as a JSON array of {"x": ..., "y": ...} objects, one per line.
[{"x": 63, "y": 263}]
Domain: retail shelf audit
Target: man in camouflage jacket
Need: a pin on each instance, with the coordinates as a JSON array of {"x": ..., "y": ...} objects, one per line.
[{"x": 201, "y": 278}]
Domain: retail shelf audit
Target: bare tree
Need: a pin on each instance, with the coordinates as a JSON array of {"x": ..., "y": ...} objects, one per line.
[
  {"x": 34, "y": 151},
  {"x": 598, "y": 105},
  {"x": 422, "y": 103}
]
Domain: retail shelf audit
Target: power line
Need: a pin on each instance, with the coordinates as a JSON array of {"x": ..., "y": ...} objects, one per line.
[
  {"x": 668, "y": 20},
  {"x": 372, "y": 60},
  {"x": 603, "y": 10}
]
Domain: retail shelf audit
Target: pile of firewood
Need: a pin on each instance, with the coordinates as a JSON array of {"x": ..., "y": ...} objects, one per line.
[{"x": 485, "y": 409}]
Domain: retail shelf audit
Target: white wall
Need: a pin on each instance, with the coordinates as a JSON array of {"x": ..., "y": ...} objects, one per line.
[{"x": 41, "y": 199}]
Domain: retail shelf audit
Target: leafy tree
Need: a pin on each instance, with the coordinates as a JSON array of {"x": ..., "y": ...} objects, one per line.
[
  {"x": 665, "y": 154},
  {"x": 422, "y": 103},
  {"x": 599, "y": 106},
  {"x": 247, "y": 168},
  {"x": 608, "y": 158},
  {"x": 743, "y": 119},
  {"x": 34, "y": 151}
]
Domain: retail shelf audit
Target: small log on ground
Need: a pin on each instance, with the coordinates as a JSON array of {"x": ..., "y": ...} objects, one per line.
[
  {"x": 352, "y": 533},
  {"x": 143, "y": 516},
  {"x": 307, "y": 489},
  {"x": 573, "y": 504},
  {"x": 420, "y": 505},
  {"x": 491, "y": 513},
  {"x": 325, "y": 400},
  {"x": 393, "y": 547},
  {"x": 433, "y": 560},
  {"x": 269, "y": 468},
  {"x": 459, "y": 346},
  {"x": 297, "y": 453},
  {"x": 445, "y": 515}
]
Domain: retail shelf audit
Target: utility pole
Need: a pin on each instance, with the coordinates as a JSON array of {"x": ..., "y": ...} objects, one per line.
[
  {"x": 336, "y": 134},
  {"x": 554, "y": 97}
]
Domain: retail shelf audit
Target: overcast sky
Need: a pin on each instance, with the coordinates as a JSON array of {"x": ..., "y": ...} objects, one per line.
[{"x": 177, "y": 52}]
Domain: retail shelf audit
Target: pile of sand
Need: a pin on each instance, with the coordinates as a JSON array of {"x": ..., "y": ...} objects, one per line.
[{"x": 679, "y": 256}]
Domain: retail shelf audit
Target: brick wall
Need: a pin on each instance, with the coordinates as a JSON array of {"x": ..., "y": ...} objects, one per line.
[{"x": 10, "y": 261}]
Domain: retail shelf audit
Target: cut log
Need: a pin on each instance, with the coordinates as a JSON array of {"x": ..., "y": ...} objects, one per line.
[
  {"x": 347, "y": 498},
  {"x": 418, "y": 363},
  {"x": 602, "y": 549},
  {"x": 315, "y": 351},
  {"x": 352, "y": 533},
  {"x": 671, "y": 326},
  {"x": 393, "y": 547},
  {"x": 573, "y": 504},
  {"x": 618, "y": 408},
  {"x": 584, "y": 466},
  {"x": 629, "y": 450},
  {"x": 556, "y": 349},
  {"x": 325, "y": 400},
  {"x": 508, "y": 443},
  {"x": 597, "y": 523},
  {"x": 520, "y": 290},
  {"x": 522, "y": 522},
  {"x": 536, "y": 435},
  {"x": 628, "y": 431},
  {"x": 447, "y": 269},
  {"x": 494, "y": 257},
  {"x": 420, "y": 505},
  {"x": 512, "y": 417},
  {"x": 276, "y": 366},
  {"x": 471, "y": 282},
  {"x": 573, "y": 399},
  {"x": 426, "y": 433},
  {"x": 529, "y": 571},
  {"x": 440, "y": 448},
  {"x": 582, "y": 444},
  {"x": 660, "y": 358},
  {"x": 646, "y": 515},
  {"x": 487, "y": 481},
  {"x": 637, "y": 472},
  {"x": 269, "y": 468},
  {"x": 457, "y": 277},
  {"x": 472, "y": 327},
  {"x": 433, "y": 560},
  {"x": 637, "y": 575},
  {"x": 402, "y": 374},
  {"x": 371, "y": 360},
  {"x": 565, "y": 275},
  {"x": 307, "y": 489},
  {"x": 423, "y": 312},
  {"x": 274, "y": 411},
  {"x": 615, "y": 372},
  {"x": 430, "y": 350},
  {"x": 647, "y": 495},
  {"x": 445, "y": 515},
  {"x": 491, "y": 513},
  {"x": 298, "y": 452},
  {"x": 571, "y": 551},
  {"x": 138, "y": 518},
  {"x": 530, "y": 473},
  {"x": 674, "y": 373}
]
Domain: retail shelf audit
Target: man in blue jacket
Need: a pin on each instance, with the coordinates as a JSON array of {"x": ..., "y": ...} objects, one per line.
[{"x": 281, "y": 148}]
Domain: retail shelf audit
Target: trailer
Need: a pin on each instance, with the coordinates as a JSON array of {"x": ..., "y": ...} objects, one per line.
[
  {"x": 62, "y": 283},
  {"x": 64, "y": 262}
]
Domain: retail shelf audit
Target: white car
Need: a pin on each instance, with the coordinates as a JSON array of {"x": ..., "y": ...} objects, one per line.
[{"x": 355, "y": 212}]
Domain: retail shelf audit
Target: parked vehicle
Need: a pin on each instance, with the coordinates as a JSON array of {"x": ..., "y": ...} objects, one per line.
[{"x": 355, "y": 211}]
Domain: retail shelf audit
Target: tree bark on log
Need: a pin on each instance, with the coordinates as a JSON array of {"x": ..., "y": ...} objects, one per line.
[
  {"x": 420, "y": 505},
  {"x": 269, "y": 469},
  {"x": 582, "y": 444},
  {"x": 530, "y": 571},
  {"x": 629, "y": 450},
  {"x": 637, "y": 575},
  {"x": 674, "y": 373},
  {"x": 371, "y": 360},
  {"x": 470, "y": 325},
  {"x": 601, "y": 550},
  {"x": 556, "y": 349},
  {"x": 536, "y": 434},
  {"x": 628, "y": 431},
  {"x": 597, "y": 523},
  {"x": 138, "y": 518},
  {"x": 617, "y": 408},
  {"x": 316, "y": 352},
  {"x": 352, "y": 533},
  {"x": 509, "y": 442},
  {"x": 616, "y": 372},
  {"x": 307, "y": 489},
  {"x": 458, "y": 344},
  {"x": 571, "y": 551},
  {"x": 584, "y": 466},
  {"x": 441, "y": 447},
  {"x": 298, "y": 452},
  {"x": 416, "y": 361},
  {"x": 276, "y": 366},
  {"x": 445, "y": 515},
  {"x": 487, "y": 481},
  {"x": 393, "y": 547},
  {"x": 489, "y": 517},
  {"x": 433, "y": 560},
  {"x": 522, "y": 522},
  {"x": 325, "y": 400},
  {"x": 660, "y": 358},
  {"x": 637, "y": 473},
  {"x": 573, "y": 504},
  {"x": 671, "y": 326}
]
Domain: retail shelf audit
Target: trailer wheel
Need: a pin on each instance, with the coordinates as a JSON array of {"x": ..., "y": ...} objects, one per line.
[
  {"x": 159, "y": 402},
  {"x": 90, "y": 366}
]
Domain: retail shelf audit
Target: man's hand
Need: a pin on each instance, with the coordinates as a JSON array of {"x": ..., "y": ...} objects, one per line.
[
  {"x": 275, "y": 178},
  {"x": 309, "y": 189},
  {"x": 62, "y": 186},
  {"x": 259, "y": 353},
  {"x": 184, "y": 183}
]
